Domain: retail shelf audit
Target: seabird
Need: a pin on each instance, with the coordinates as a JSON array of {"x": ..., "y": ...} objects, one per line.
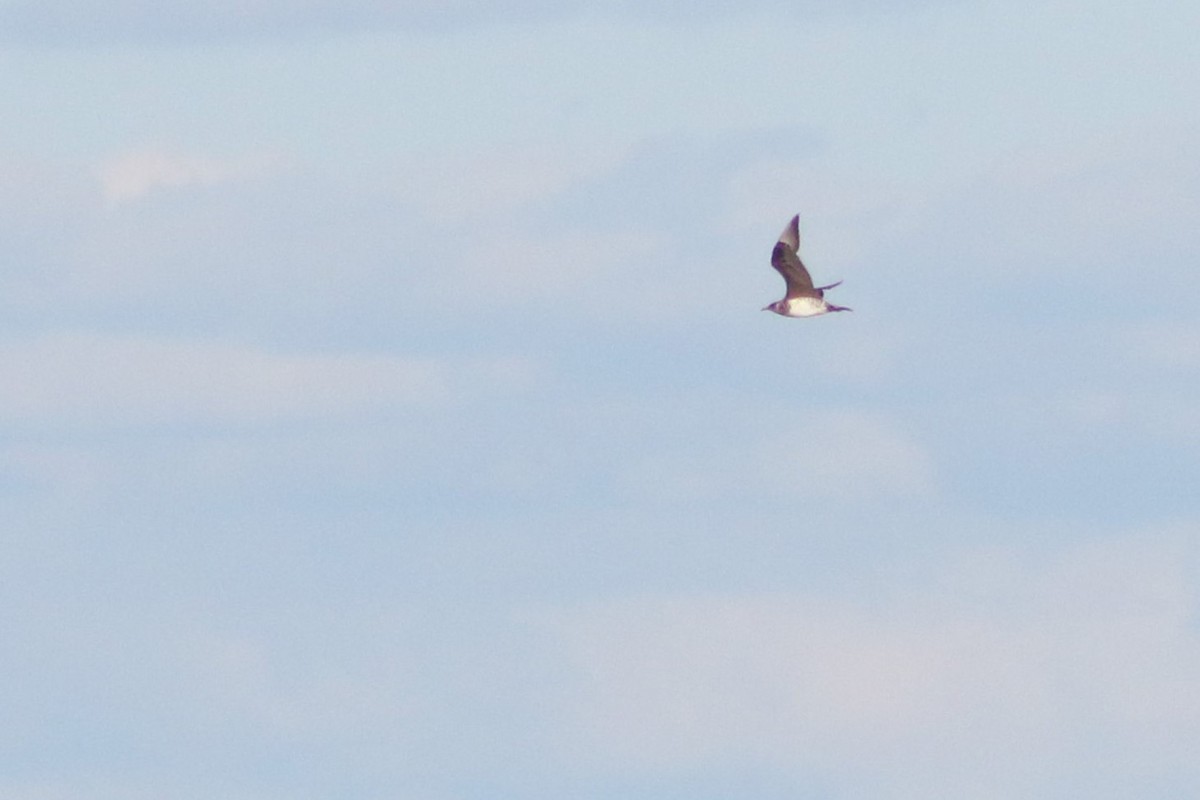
[{"x": 802, "y": 299}]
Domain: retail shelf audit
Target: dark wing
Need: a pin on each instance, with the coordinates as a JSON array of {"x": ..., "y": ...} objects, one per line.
[{"x": 785, "y": 258}]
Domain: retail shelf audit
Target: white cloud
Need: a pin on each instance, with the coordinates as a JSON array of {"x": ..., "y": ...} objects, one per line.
[
  {"x": 1167, "y": 414},
  {"x": 234, "y": 676},
  {"x": 1134, "y": 229},
  {"x": 1168, "y": 345},
  {"x": 132, "y": 176},
  {"x": 848, "y": 454},
  {"x": 996, "y": 669},
  {"x": 840, "y": 455},
  {"x": 98, "y": 380},
  {"x": 224, "y": 19},
  {"x": 458, "y": 188},
  {"x": 597, "y": 273}
]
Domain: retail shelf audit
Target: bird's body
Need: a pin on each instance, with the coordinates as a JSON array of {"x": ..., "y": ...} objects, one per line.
[
  {"x": 802, "y": 298},
  {"x": 801, "y": 307}
]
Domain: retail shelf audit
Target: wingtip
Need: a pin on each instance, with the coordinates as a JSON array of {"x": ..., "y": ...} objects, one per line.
[{"x": 791, "y": 234}]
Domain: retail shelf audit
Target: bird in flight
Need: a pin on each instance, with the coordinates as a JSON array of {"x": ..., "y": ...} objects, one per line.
[{"x": 802, "y": 298}]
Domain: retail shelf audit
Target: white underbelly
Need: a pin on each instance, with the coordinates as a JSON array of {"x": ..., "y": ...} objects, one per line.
[{"x": 806, "y": 307}]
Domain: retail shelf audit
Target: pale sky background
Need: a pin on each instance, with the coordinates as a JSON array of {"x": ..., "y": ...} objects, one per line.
[{"x": 387, "y": 410}]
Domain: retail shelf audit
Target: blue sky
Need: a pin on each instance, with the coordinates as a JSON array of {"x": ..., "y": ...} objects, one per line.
[{"x": 388, "y": 410}]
